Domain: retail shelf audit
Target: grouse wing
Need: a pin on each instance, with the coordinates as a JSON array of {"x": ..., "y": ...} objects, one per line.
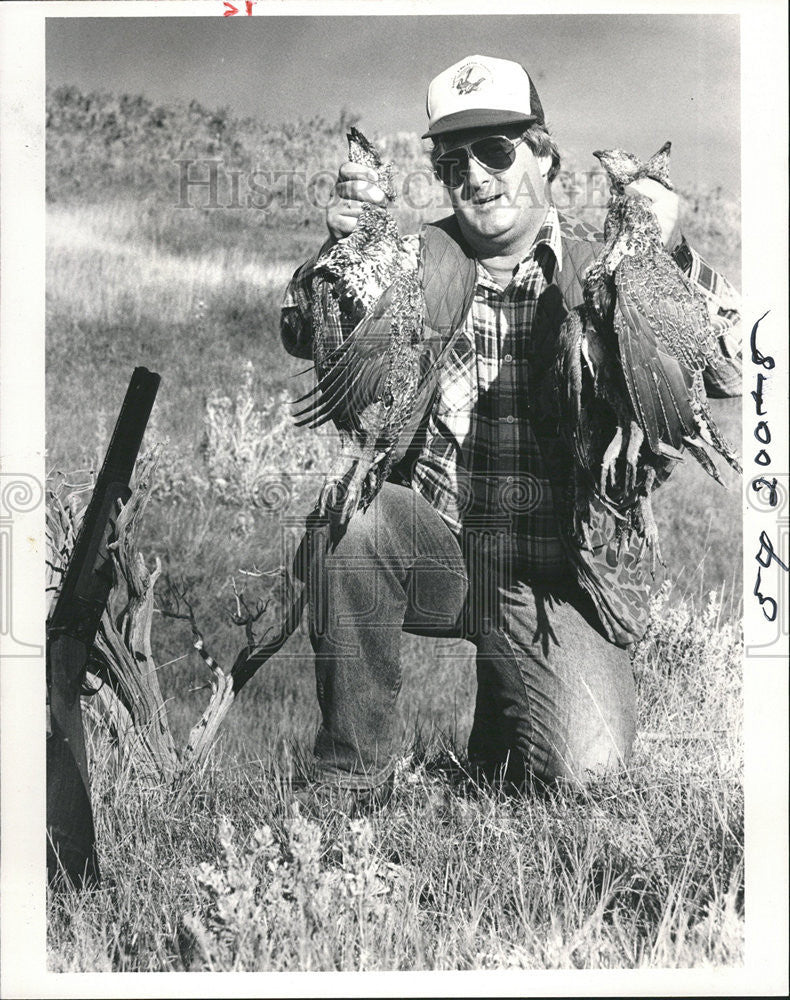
[
  {"x": 568, "y": 368},
  {"x": 659, "y": 351},
  {"x": 353, "y": 373},
  {"x": 590, "y": 396}
]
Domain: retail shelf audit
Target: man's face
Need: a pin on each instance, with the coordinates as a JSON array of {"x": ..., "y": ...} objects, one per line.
[{"x": 495, "y": 211}]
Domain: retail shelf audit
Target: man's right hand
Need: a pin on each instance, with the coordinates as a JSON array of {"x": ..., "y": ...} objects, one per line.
[{"x": 355, "y": 185}]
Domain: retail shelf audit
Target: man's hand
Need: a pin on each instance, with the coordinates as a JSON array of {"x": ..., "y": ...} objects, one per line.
[
  {"x": 666, "y": 207},
  {"x": 355, "y": 185}
]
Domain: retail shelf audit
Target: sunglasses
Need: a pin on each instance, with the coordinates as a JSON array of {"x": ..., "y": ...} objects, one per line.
[{"x": 495, "y": 152}]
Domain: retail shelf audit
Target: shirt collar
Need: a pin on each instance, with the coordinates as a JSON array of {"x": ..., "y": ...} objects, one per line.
[{"x": 549, "y": 235}]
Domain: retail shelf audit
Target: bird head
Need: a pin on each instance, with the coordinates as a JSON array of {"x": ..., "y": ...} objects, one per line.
[
  {"x": 621, "y": 168},
  {"x": 362, "y": 150},
  {"x": 657, "y": 167},
  {"x": 624, "y": 168}
]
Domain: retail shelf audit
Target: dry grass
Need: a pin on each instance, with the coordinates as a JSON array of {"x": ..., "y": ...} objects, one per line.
[
  {"x": 101, "y": 259},
  {"x": 645, "y": 869}
]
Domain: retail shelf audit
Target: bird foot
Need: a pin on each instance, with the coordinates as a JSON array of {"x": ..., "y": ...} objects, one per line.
[
  {"x": 583, "y": 528},
  {"x": 649, "y": 526},
  {"x": 650, "y": 542},
  {"x": 372, "y": 419},
  {"x": 351, "y": 487},
  {"x": 327, "y": 498},
  {"x": 609, "y": 464},
  {"x": 351, "y": 502},
  {"x": 339, "y": 498},
  {"x": 635, "y": 438}
]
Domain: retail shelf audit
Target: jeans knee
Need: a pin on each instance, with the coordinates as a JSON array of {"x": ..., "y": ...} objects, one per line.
[
  {"x": 360, "y": 534},
  {"x": 582, "y": 765}
]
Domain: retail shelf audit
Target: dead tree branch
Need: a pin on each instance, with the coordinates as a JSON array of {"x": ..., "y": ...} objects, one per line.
[{"x": 129, "y": 702}]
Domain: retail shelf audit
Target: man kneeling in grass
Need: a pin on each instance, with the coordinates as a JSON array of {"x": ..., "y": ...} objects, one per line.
[{"x": 474, "y": 537}]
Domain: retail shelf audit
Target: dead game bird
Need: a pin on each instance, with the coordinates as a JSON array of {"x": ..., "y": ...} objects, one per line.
[
  {"x": 629, "y": 371},
  {"x": 352, "y": 275},
  {"x": 377, "y": 385}
]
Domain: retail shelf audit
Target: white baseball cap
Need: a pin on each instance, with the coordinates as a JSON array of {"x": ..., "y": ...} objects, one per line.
[{"x": 481, "y": 90}]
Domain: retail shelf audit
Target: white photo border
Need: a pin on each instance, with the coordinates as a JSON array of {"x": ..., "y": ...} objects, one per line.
[{"x": 764, "y": 212}]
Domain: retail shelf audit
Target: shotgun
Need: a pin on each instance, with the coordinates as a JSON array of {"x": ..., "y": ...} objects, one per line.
[{"x": 71, "y": 630}]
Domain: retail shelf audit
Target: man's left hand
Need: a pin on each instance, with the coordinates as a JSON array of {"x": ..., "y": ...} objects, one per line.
[{"x": 666, "y": 207}]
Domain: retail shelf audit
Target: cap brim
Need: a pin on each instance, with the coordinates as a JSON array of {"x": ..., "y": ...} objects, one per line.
[{"x": 476, "y": 118}]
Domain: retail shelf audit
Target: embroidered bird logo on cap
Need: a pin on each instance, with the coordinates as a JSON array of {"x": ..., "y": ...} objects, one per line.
[{"x": 463, "y": 81}]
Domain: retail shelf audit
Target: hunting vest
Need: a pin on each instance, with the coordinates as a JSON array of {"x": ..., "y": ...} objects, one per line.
[{"x": 609, "y": 569}]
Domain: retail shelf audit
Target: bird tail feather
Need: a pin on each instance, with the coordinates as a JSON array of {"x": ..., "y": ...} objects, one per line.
[
  {"x": 703, "y": 458},
  {"x": 710, "y": 430}
]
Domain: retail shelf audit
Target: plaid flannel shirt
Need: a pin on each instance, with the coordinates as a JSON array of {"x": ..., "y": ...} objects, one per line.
[{"x": 481, "y": 465}]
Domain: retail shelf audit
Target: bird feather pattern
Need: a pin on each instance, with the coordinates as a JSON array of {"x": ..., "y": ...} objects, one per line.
[
  {"x": 379, "y": 383},
  {"x": 628, "y": 376}
]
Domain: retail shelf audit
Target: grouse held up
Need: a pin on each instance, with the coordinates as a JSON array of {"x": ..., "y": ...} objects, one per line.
[
  {"x": 377, "y": 385},
  {"x": 629, "y": 374}
]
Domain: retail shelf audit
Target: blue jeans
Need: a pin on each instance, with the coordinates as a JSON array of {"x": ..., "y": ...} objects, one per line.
[{"x": 555, "y": 699}]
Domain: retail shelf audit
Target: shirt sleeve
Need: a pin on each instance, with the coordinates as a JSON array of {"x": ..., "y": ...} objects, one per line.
[{"x": 723, "y": 374}]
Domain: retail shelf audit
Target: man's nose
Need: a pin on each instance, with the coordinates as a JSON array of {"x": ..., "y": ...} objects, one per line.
[{"x": 477, "y": 174}]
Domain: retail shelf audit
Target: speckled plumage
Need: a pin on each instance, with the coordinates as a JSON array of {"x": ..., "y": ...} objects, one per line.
[
  {"x": 353, "y": 274},
  {"x": 377, "y": 385},
  {"x": 629, "y": 371}
]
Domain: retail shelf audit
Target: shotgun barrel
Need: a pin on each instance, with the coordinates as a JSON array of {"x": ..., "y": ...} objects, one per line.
[{"x": 71, "y": 630}]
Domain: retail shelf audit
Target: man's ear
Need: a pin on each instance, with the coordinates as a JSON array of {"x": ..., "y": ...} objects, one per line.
[{"x": 545, "y": 164}]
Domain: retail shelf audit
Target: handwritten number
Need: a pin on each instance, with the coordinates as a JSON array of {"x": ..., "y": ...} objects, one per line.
[
  {"x": 757, "y": 358},
  {"x": 773, "y": 496},
  {"x": 763, "y": 599},
  {"x": 766, "y": 555},
  {"x": 757, "y": 395}
]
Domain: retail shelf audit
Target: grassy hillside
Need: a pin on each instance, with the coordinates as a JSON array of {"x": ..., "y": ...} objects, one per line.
[{"x": 646, "y": 871}]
